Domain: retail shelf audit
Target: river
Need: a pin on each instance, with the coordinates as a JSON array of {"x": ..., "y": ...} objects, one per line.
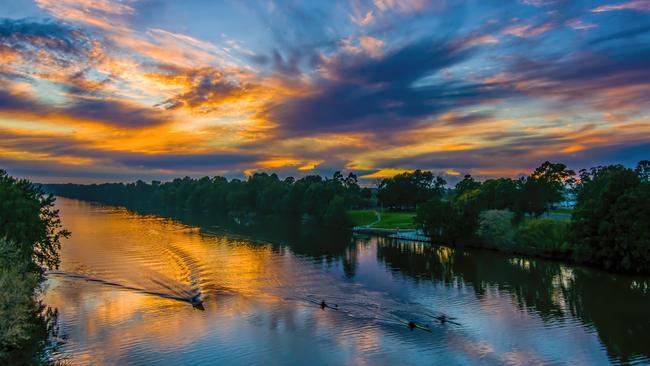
[{"x": 123, "y": 277}]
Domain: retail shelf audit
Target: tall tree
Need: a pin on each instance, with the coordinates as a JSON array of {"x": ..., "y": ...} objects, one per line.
[
  {"x": 29, "y": 220},
  {"x": 543, "y": 188},
  {"x": 609, "y": 226},
  {"x": 30, "y": 234},
  {"x": 407, "y": 190},
  {"x": 467, "y": 184}
]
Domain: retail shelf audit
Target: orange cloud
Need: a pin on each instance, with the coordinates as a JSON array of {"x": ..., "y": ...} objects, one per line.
[
  {"x": 363, "y": 19},
  {"x": 99, "y": 13},
  {"x": 527, "y": 31}
]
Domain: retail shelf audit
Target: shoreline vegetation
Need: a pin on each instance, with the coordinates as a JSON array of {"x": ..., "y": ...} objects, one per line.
[
  {"x": 30, "y": 235},
  {"x": 313, "y": 199},
  {"x": 597, "y": 217}
]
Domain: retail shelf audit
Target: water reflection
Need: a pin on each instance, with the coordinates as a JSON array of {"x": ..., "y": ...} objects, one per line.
[
  {"x": 44, "y": 338},
  {"x": 615, "y": 306},
  {"x": 260, "y": 281}
]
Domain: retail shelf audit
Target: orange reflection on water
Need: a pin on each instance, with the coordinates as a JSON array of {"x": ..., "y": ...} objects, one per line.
[
  {"x": 119, "y": 271},
  {"x": 160, "y": 256}
]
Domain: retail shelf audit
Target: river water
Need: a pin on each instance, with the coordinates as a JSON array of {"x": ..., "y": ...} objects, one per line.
[{"x": 124, "y": 277}]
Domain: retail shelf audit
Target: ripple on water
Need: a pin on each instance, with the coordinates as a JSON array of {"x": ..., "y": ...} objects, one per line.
[{"x": 262, "y": 302}]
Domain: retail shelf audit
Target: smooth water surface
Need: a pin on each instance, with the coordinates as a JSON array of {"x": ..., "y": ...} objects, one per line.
[{"x": 124, "y": 277}]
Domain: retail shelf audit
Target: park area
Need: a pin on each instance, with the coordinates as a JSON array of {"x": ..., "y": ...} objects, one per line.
[{"x": 383, "y": 220}]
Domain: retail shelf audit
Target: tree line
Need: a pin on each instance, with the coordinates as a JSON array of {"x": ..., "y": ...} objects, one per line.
[
  {"x": 455, "y": 217},
  {"x": 529, "y": 195},
  {"x": 321, "y": 200},
  {"x": 608, "y": 225}
]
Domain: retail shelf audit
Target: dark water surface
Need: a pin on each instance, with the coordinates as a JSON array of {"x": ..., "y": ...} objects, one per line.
[{"x": 124, "y": 277}]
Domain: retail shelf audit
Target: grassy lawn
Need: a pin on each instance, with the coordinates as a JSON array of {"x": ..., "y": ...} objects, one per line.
[
  {"x": 362, "y": 217},
  {"x": 393, "y": 220},
  {"x": 389, "y": 219}
]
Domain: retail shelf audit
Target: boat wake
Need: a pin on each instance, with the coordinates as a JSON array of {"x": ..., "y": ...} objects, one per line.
[{"x": 178, "y": 294}]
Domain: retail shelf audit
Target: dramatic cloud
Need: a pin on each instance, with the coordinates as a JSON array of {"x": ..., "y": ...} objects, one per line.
[
  {"x": 362, "y": 93},
  {"x": 26, "y": 35},
  {"x": 518, "y": 156},
  {"x": 121, "y": 90},
  {"x": 36, "y": 49},
  {"x": 113, "y": 112},
  {"x": 189, "y": 162},
  {"x": 605, "y": 78},
  {"x": 107, "y": 112},
  {"x": 204, "y": 88}
]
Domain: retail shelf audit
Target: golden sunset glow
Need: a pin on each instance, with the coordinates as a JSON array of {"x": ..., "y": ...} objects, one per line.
[{"x": 102, "y": 90}]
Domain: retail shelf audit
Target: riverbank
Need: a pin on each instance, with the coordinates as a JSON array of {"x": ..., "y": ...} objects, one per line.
[{"x": 543, "y": 237}]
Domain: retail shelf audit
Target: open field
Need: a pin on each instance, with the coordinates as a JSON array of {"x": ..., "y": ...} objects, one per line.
[{"x": 389, "y": 219}]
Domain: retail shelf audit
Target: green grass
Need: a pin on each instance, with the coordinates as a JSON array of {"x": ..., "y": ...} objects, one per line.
[
  {"x": 394, "y": 220},
  {"x": 389, "y": 219},
  {"x": 362, "y": 217}
]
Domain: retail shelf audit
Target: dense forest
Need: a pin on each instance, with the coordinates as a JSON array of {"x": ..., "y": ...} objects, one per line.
[
  {"x": 30, "y": 234},
  {"x": 608, "y": 225},
  {"x": 322, "y": 200}
]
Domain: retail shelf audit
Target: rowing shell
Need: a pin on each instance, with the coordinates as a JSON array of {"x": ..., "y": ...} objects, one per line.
[
  {"x": 335, "y": 307},
  {"x": 418, "y": 326}
]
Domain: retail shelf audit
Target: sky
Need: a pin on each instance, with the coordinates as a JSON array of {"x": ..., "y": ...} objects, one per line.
[{"x": 119, "y": 90}]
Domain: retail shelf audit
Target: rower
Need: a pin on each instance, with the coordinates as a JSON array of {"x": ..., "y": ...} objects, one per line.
[
  {"x": 412, "y": 325},
  {"x": 323, "y": 305},
  {"x": 196, "y": 302},
  {"x": 444, "y": 319}
]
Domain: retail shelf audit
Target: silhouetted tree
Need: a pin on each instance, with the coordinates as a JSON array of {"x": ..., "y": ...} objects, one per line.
[
  {"x": 543, "y": 188},
  {"x": 30, "y": 234},
  {"x": 260, "y": 194},
  {"x": 609, "y": 226},
  {"x": 407, "y": 190},
  {"x": 28, "y": 219}
]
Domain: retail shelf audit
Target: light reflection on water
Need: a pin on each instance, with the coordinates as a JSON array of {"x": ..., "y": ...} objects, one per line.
[{"x": 258, "y": 309}]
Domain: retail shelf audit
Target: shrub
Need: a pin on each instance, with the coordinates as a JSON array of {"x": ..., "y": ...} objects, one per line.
[
  {"x": 496, "y": 229},
  {"x": 544, "y": 236},
  {"x": 17, "y": 304}
]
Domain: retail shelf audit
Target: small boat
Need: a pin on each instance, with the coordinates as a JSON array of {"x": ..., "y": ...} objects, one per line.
[
  {"x": 413, "y": 325},
  {"x": 197, "y": 302},
  {"x": 445, "y": 319},
  {"x": 323, "y": 304}
]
